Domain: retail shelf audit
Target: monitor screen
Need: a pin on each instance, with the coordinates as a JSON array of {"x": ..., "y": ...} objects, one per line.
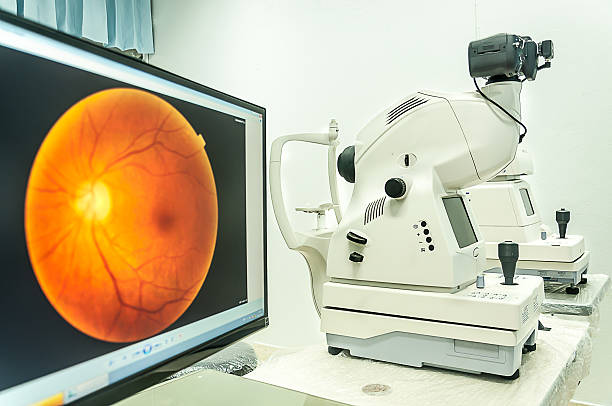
[
  {"x": 526, "y": 202},
  {"x": 132, "y": 216},
  {"x": 460, "y": 221}
]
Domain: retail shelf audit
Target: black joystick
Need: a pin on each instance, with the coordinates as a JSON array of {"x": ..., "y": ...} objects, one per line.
[
  {"x": 562, "y": 217},
  {"x": 508, "y": 253}
]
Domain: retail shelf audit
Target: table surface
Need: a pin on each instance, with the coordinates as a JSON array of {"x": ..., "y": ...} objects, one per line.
[
  {"x": 584, "y": 303},
  {"x": 549, "y": 375},
  {"x": 208, "y": 387}
]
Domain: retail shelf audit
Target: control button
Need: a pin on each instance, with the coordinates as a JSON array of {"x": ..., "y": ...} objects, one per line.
[
  {"x": 428, "y": 239},
  {"x": 395, "y": 188},
  {"x": 431, "y": 247},
  {"x": 423, "y": 223},
  {"x": 356, "y": 238},
  {"x": 426, "y": 231},
  {"x": 356, "y": 257},
  {"x": 476, "y": 252}
]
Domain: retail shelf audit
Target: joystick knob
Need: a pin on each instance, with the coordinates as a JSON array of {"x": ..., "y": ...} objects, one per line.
[
  {"x": 508, "y": 253},
  {"x": 562, "y": 217},
  {"x": 395, "y": 188}
]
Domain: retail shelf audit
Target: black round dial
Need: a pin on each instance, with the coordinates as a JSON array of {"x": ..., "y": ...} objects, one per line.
[{"x": 395, "y": 188}]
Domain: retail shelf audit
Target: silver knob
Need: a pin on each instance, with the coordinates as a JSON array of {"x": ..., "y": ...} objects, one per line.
[{"x": 480, "y": 282}]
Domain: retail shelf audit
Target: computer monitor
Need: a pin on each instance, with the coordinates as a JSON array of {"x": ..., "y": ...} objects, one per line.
[{"x": 132, "y": 220}]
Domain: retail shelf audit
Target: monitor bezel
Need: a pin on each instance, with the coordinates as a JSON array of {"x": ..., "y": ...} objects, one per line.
[{"x": 156, "y": 373}]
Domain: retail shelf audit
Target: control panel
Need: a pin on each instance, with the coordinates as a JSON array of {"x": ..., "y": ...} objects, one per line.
[
  {"x": 424, "y": 236},
  {"x": 492, "y": 288}
]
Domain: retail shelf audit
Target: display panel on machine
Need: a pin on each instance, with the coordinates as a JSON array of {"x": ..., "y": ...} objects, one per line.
[
  {"x": 123, "y": 222},
  {"x": 460, "y": 221},
  {"x": 527, "y": 201}
]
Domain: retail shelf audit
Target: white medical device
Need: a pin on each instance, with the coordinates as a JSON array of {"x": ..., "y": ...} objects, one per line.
[
  {"x": 399, "y": 279},
  {"x": 504, "y": 208}
]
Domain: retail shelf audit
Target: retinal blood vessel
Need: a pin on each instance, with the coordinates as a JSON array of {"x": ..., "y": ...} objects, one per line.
[{"x": 121, "y": 215}]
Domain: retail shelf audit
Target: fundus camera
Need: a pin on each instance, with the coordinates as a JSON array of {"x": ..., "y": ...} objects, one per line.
[{"x": 508, "y": 55}]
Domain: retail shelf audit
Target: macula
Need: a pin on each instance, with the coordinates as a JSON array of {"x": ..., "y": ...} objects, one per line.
[{"x": 121, "y": 215}]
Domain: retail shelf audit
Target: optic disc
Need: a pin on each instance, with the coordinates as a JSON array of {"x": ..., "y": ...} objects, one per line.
[{"x": 93, "y": 201}]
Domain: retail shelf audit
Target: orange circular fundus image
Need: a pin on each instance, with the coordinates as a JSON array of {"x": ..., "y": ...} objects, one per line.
[{"x": 121, "y": 215}]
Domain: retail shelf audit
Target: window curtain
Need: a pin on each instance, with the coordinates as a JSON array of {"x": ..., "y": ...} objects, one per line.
[{"x": 124, "y": 24}]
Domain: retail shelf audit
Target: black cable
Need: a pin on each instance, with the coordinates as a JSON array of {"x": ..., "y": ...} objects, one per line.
[{"x": 521, "y": 136}]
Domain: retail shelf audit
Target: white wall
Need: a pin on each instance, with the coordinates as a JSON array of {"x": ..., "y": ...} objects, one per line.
[{"x": 307, "y": 62}]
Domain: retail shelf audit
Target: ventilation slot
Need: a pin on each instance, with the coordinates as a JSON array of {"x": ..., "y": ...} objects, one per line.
[
  {"x": 524, "y": 314},
  {"x": 374, "y": 210},
  {"x": 404, "y": 107},
  {"x": 536, "y": 305}
]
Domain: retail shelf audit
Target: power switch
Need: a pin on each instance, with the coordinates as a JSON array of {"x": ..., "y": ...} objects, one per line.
[
  {"x": 356, "y": 257},
  {"x": 356, "y": 238}
]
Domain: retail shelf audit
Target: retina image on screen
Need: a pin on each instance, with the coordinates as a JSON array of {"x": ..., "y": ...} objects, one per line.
[
  {"x": 460, "y": 221},
  {"x": 122, "y": 216},
  {"x": 526, "y": 202}
]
